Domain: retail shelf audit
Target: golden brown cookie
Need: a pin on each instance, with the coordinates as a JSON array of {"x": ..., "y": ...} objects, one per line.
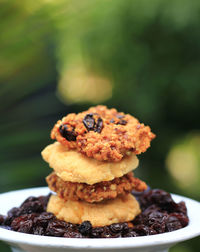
[
  {"x": 103, "y": 134},
  {"x": 96, "y": 192},
  {"x": 121, "y": 209},
  {"x": 73, "y": 166}
]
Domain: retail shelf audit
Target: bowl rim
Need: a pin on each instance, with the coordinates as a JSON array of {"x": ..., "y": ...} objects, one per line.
[{"x": 188, "y": 232}]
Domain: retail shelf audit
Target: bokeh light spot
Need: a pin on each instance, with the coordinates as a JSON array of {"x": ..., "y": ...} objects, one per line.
[
  {"x": 183, "y": 162},
  {"x": 79, "y": 85}
]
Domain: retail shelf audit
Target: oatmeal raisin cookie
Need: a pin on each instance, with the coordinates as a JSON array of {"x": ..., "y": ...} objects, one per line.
[
  {"x": 96, "y": 192},
  {"x": 103, "y": 134}
]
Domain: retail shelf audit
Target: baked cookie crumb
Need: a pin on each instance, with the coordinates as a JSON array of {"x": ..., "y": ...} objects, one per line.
[
  {"x": 96, "y": 192},
  {"x": 102, "y": 133}
]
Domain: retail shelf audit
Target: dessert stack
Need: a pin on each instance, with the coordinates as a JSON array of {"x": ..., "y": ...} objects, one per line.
[{"x": 92, "y": 159}]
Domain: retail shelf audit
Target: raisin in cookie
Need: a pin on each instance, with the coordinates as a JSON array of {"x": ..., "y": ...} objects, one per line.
[{"x": 103, "y": 134}]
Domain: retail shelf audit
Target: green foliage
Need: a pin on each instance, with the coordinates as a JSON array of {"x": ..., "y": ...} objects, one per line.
[{"x": 4, "y": 247}]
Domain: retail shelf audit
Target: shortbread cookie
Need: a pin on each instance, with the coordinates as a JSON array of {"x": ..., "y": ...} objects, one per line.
[
  {"x": 103, "y": 134},
  {"x": 121, "y": 209},
  {"x": 96, "y": 192},
  {"x": 73, "y": 166}
]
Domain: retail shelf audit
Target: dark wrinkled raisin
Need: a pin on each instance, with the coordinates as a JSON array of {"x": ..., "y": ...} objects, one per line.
[
  {"x": 31, "y": 207},
  {"x": 8, "y": 221},
  {"x": 12, "y": 213},
  {"x": 180, "y": 208},
  {"x": 29, "y": 199},
  {"x": 91, "y": 124},
  {"x": 138, "y": 220},
  {"x": 141, "y": 230},
  {"x": 135, "y": 193},
  {"x": 152, "y": 231},
  {"x": 23, "y": 223},
  {"x": 85, "y": 228},
  {"x": 96, "y": 232},
  {"x": 2, "y": 219},
  {"x": 72, "y": 234},
  {"x": 122, "y": 122},
  {"x": 173, "y": 224},
  {"x": 156, "y": 217},
  {"x": 56, "y": 228},
  {"x": 70, "y": 135},
  {"x": 39, "y": 203},
  {"x": 71, "y": 226},
  {"x": 108, "y": 234},
  {"x": 116, "y": 235},
  {"x": 43, "y": 219},
  {"x": 159, "y": 228},
  {"x": 131, "y": 233},
  {"x": 150, "y": 209},
  {"x": 158, "y": 197},
  {"x": 118, "y": 227},
  {"x": 99, "y": 125},
  {"x": 26, "y": 227},
  {"x": 38, "y": 230},
  {"x": 184, "y": 220},
  {"x": 44, "y": 200}
]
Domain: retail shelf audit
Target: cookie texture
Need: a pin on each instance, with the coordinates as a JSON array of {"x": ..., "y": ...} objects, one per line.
[
  {"x": 73, "y": 166},
  {"x": 103, "y": 134},
  {"x": 96, "y": 192},
  {"x": 121, "y": 209}
]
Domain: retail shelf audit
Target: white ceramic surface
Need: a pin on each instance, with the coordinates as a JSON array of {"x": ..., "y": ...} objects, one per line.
[{"x": 34, "y": 243}]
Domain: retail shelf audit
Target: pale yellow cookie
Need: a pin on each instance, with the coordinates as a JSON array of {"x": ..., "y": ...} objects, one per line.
[
  {"x": 121, "y": 209},
  {"x": 73, "y": 166}
]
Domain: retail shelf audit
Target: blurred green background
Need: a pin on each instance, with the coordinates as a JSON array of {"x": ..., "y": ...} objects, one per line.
[{"x": 140, "y": 56}]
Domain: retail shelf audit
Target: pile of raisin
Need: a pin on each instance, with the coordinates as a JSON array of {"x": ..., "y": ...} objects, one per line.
[{"x": 160, "y": 214}]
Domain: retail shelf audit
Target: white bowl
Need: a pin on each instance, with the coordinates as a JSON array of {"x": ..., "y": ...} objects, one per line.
[{"x": 35, "y": 243}]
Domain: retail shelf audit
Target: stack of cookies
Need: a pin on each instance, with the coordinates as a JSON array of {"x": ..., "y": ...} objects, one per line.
[{"x": 93, "y": 159}]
